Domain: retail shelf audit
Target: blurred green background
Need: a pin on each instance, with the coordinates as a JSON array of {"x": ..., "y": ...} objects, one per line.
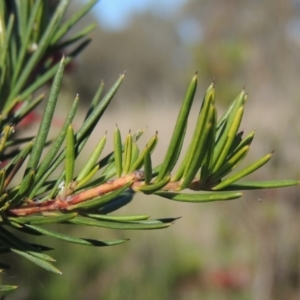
[{"x": 243, "y": 249}]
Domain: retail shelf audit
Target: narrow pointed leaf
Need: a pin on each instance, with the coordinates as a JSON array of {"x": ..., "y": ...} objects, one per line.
[
  {"x": 27, "y": 108},
  {"x": 84, "y": 132},
  {"x": 199, "y": 197},
  {"x": 55, "y": 146},
  {"x": 230, "y": 138},
  {"x": 254, "y": 185},
  {"x": 75, "y": 240},
  {"x": 151, "y": 188},
  {"x": 232, "y": 163},
  {"x": 147, "y": 166},
  {"x": 206, "y": 167},
  {"x": 224, "y": 126},
  {"x": 39, "y": 220},
  {"x": 89, "y": 166},
  {"x": 149, "y": 147},
  {"x": 70, "y": 155},
  {"x": 46, "y": 120},
  {"x": 79, "y": 35},
  {"x": 198, "y": 156},
  {"x": 2, "y": 179},
  {"x": 12, "y": 241},
  {"x": 236, "y": 142},
  {"x": 127, "y": 153},
  {"x": 8, "y": 129},
  {"x": 64, "y": 28},
  {"x": 245, "y": 142},
  {"x": 120, "y": 225},
  {"x": 5, "y": 45},
  {"x": 27, "y": 182},
  {"x": 96, "y": 98},
  {"x": 87, "y": 178},
  {"x": 41, "y": 80},
  {"x": 93, "y": 118},
  {"x": 43, "y": 44},
  {"x": 50, "y": 163},
  {"x": 118, "y": 151},
  {"x": 259, "y": 163},
  {"x": 42, "y": 263},
  {"x": 176, "y": 142},
  {"x": 134, "y": 156},
  {"x": 79, "y": 48},
  {"x": 14, "y": 166},
  {"x": 201, "y": 124},
  {"x": 27, "y": 28},
  {"x": 118, "y": 218}
]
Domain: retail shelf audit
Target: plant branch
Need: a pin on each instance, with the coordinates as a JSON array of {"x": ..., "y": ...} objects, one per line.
[{"x": 63, "y": 201}]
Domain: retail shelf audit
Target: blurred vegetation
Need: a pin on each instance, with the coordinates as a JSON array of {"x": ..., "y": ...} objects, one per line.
[{"x": 249, "y": 249}]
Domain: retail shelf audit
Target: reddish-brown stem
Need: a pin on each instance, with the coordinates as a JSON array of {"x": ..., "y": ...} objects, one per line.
[{"x": 60, "y": 203}]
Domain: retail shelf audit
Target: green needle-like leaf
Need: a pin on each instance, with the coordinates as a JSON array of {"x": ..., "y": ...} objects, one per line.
[
  {"x": 49, "y": 164},
  {"x": 70, "y": 155},
  {"x": 96, "y": 98},
  {"x": 254, "y": 185},
  {"x": 2, "y": 179},
  {"x": 134, "y": 156},
  {"x": 210, "y": 144},
  {"x": 227, "y": 128},
  {"x": 118, "y": 218},
  {"x": 127, "y": 153},
  {"x": 14, "y": 166},
  {"x": 118, "y": 151},
  {"x": 36, "y": 56},
  {"x": 234, "y": 126},
  {"x": 89, "y": 166},
  {"x": 87, "y": 178},
  {"x": 151, "y": 188},
  {"x": 71, "y": 239},
  {"x": 55, "y": 145},
  {"x": 199, "y": 197},
  {"x": 25, "y": 32},
  {"x": 27, "y": 183},
  {"x": 79, "y": 35},
  {"x": 46, "y": 119},
  {"x": 245, "y": 142},
  {"x": 236, "y": 142},
  {"x": 97, "y": 113},
  {"x": 177, "y": 138},
  {"x": 138, "y": 225},
  {"x": 147, "y": 166},
  {"x": 243, "y": 172},
  {"x": 198, "y": 156},
  {"x": 39, "y": 220},
  {"x": 201, "y": 124},
  {"x": 231, "y": 163},
  {"x": 42, "y": 263},
  {"x": 140, "y": 160},
  {"x": 72, "y": 21},
  {"x": 41, "y": 80},
  {"x": 8, "y": 129},
  {"x": 26, "y": 108}
]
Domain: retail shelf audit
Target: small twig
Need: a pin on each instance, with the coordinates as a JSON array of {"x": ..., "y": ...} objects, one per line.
[{"x": 61, "y": 203}]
